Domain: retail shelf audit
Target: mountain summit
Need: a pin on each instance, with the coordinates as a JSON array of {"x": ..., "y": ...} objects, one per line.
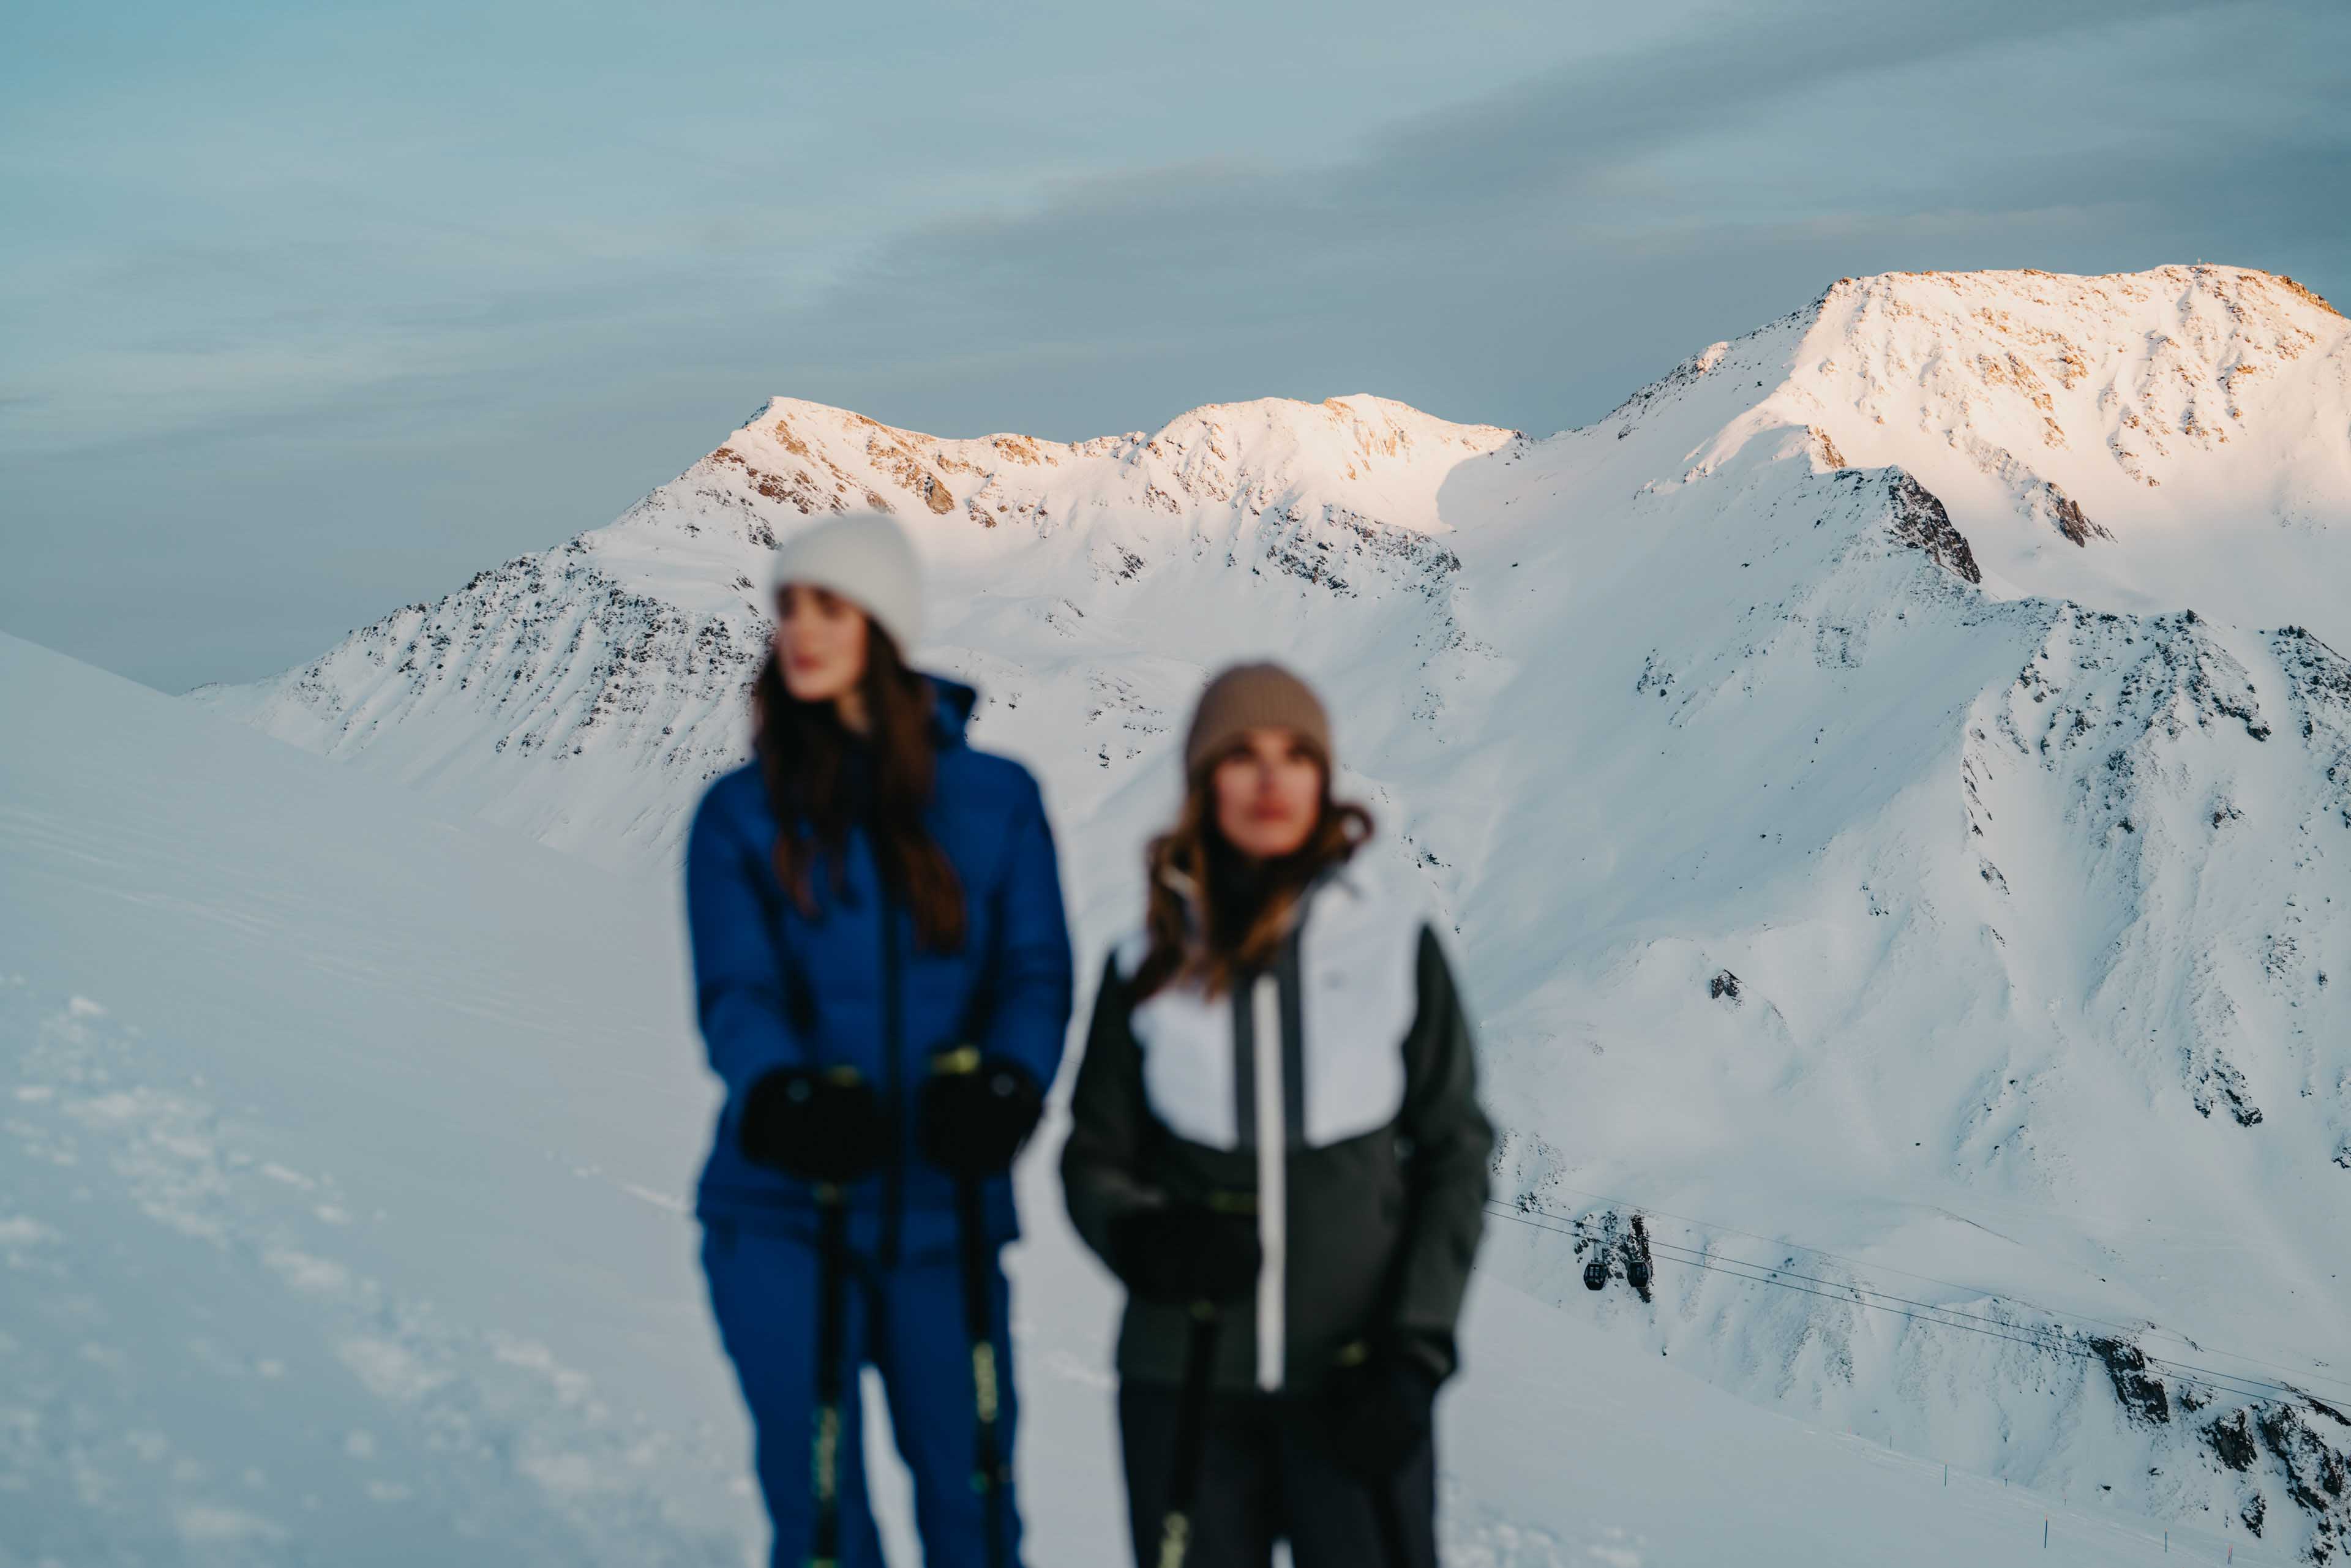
[
  {"x": 2171, "y": 439},
  {"x": 1891, "y": 778}
]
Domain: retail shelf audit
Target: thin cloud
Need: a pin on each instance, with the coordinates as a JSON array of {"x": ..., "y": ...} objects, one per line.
[{"x": 365, "y": 393}]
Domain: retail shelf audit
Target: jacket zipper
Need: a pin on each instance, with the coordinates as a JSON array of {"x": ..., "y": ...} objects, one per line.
[
  {"x": 893, "y": 1170},
  {"x": 1272, "y": 1176}
]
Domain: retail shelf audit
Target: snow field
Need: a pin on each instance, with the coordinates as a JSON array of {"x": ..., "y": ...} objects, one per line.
[{"x": 260, "y": 1313}]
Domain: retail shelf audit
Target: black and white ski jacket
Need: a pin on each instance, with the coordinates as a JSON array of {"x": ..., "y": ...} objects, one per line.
[{"x": 1337, "y": 1092}]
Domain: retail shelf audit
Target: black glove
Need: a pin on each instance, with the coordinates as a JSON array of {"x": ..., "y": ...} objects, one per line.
[
  {"x": 971, "y": 1123},
  {"x": 1186, "y": 1252},
  {"x": 823, "y": 1126},
  {"x": 1379, "y": 1411}
]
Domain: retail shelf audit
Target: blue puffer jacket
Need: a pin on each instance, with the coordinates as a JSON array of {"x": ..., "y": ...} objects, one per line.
[{"x": 775, "y": 989}]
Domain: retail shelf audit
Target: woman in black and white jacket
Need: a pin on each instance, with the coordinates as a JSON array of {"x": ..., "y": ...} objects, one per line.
[{"x": 1276, "y": 1145}]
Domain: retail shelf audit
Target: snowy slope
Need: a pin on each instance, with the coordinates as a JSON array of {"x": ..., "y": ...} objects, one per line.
[
  {"x": 338, "y": 1148},
  {"x": 1892, "y": 778},
  {"x": 339, "y": 1144}
]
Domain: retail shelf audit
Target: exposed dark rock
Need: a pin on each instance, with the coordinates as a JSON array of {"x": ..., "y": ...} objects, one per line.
[
  {"x": 1653, "y": 679},
  {"x": 2221, "y": 1085},
  {"x": 2232, "y": 1439},
  {"x": 1921, "y": 522},
  {"x": 2308, "y": 295},
  {"x": 2067, "y": 514},
  {"x": 2316, "y": 1475},
  {"x": 2140, "y": 1392},
  {"x": 1313, "y": 545},
  {"x": 2309, "y": 1461},
  {"x": 1724, "y": 984},
  {"x": 2318, "y": 682},
  {"x": 1639, "y": 1269}
]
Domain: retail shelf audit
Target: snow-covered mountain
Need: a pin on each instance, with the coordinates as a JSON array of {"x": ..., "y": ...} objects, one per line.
[
  {"x": 1891, "y": 779},
  {"x": 583, "y": 693},
  {"x": 342, "y": 1147}
]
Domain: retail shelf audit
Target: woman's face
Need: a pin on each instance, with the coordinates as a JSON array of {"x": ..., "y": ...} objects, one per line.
[
  {"x": 820, "y": 642},
  {"x": 1268, "y": 794}
]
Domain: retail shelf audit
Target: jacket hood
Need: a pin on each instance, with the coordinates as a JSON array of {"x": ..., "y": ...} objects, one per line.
[{"x": 952, "y": 715}]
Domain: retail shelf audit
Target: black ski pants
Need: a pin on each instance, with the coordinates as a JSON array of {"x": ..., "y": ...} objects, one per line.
[{"x": 1269, "y": 1474}]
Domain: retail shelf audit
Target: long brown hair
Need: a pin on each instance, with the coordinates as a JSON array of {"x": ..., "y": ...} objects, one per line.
[
  {"x": 822, "y": 781},
  {"x": 1212, "y": 913}
]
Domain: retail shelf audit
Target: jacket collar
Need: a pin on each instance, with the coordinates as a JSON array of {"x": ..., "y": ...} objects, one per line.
[
  {"x": 1344, "y": 875},
  {"x": 951, "y": 715}
]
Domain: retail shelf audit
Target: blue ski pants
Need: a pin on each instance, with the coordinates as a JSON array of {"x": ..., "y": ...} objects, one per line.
[{"x": 908, "y": 1322}]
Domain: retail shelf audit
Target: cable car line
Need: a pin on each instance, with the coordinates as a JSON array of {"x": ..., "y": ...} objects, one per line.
[
  {"x": 2233, "y": 1383},
  {"x": 1841, "y": 1294},
  {"x": 1643, "y": 1209},
  {"x": 2044, "y": 1339},
  {"x": 1833, "y": 1295}
]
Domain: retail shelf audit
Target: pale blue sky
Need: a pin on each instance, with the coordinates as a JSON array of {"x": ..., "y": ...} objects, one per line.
[{"x": 307, "y": 310}]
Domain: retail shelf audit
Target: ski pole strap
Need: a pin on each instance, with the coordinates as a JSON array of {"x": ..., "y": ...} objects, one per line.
[
  {"x": 983, "y": 1380},
  {"x": 1175, "y": 1539},
  {"x": 824, "y": 1545}
]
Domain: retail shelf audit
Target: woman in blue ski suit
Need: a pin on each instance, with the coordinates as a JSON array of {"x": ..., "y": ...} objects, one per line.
[{"x": 882, "y": 972}]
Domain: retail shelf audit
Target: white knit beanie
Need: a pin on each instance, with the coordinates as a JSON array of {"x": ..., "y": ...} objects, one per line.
[{"x": 867, "y": 559}]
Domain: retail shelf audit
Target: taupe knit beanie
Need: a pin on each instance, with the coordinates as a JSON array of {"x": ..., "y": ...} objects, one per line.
[{"x": 1255, "y": 696}]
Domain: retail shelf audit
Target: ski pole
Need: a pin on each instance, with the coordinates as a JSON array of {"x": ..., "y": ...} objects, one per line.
[
  {"x": 988, "y": 1467},
  {"x": 990, "y": 1470},
  {"x": 824, "y": 1548},
  {"x": 1191, "y": 1434}
]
